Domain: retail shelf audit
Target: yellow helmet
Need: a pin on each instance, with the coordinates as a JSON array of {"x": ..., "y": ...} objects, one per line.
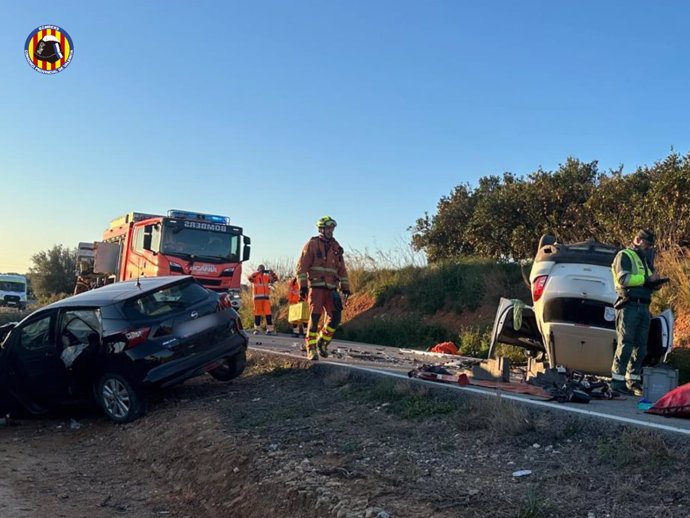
[{"x": 326, "y": 221}]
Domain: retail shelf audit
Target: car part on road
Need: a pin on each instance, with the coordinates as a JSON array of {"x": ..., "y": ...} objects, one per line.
[{"x": 437, "y": 373}]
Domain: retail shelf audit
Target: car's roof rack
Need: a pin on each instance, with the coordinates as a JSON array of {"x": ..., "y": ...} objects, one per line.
[{"x": 585, "y": 252}]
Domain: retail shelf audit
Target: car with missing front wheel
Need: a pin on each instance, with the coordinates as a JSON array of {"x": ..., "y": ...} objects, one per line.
[
  {"x": 571, "y": 321},
  {"x": 116, "y": 344}
]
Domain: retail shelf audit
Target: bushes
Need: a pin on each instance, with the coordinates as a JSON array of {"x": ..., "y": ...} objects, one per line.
[
  {"x": 407, "y": 331},
  {"x": 680, "y": 359},
  {"x": 475, "y": 341},
  {"x": 447, "y": 286}
]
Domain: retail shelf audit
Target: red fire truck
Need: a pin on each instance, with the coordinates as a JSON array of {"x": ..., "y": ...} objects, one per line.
[{"x": 205, "y": 246}]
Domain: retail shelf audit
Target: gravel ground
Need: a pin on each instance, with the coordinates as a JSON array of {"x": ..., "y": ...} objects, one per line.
[{"x": 291, "y": 439}]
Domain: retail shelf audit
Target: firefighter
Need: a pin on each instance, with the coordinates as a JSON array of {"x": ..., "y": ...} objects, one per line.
[
  {"x": 320, "y": 272},
  {"x": 635, "y": 281},
  {"x": 262, "y": 280}
]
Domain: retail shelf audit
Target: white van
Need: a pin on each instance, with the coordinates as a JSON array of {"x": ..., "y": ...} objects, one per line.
[
  {"x": 13, "y": 290},
  {"x": 571, "y": 321}
]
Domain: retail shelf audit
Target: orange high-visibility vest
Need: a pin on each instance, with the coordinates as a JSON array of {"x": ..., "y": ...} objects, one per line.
[{"x": 261, "y": 283}]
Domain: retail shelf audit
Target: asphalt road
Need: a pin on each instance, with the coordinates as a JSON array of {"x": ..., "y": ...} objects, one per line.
[{"x": 394, "y": 362}]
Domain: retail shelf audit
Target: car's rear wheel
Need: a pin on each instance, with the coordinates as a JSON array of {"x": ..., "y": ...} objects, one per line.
[
  {"x": 119, "y": 400},
  {"x": 230, "y": 368}
]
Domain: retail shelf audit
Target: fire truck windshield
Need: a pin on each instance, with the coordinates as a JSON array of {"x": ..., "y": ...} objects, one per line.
[{"x": 214, "y": 243}]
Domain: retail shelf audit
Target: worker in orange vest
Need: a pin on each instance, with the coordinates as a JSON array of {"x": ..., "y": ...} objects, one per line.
[
  {"x": 293, "y": 298},
  {"x": 261, "y": 281},
  {"x": 321, "y": 271}
]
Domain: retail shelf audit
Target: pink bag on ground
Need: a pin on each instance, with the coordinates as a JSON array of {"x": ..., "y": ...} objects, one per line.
[{"x": 673, "y": 404}]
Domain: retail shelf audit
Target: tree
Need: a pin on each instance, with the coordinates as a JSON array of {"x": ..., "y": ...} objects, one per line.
[{"x": 53, "y": 271}]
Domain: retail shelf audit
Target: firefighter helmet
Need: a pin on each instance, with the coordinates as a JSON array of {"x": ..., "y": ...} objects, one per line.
[
  {"x": 326, "y": 221},
  {"x": 48, "y": 49}
]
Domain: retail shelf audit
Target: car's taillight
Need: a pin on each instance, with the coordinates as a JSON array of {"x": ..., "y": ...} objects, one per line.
[
  {"x": 136, "y": 337},
  {"x": 224, "y": 301},
  {"x": 538, "y": 287}
]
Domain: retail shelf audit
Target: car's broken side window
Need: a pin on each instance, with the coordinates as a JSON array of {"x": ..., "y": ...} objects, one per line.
[
  {"x": 36, "y": 335},
  {"x": 78, "y": 326}
]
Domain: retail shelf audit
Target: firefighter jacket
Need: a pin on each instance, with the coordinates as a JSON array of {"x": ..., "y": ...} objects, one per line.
[
  {"x": 322, "y": 265},
  {"x": 293, "y": 292},
  {"x": 630, "y": 272},
  {"x": 261, "y": 284}
]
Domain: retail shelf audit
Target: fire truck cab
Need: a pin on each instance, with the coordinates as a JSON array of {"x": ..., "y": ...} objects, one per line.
[{"x": 205, "y": 246}]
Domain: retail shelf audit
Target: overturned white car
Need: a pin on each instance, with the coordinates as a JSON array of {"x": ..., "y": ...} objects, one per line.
[{"x": 572, "y": 321}]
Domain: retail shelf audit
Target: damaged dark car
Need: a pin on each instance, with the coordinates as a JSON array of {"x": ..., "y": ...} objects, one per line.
[{"x": 116, "y": 343}]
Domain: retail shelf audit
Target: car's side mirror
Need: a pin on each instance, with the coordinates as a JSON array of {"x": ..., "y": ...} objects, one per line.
[{"x": 245, "y": 253}]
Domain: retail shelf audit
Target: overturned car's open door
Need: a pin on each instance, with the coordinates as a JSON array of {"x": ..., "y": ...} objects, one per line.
[
  {"x": 660, "y": 338},
  {"x": 515, "y": 324}
]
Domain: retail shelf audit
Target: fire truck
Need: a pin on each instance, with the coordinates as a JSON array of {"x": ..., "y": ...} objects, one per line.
[{"x": 135, "y": 245}]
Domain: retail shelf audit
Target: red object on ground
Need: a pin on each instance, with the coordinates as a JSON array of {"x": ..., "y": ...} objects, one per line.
[
  {"x": 673, "y": 404},
  {"x": 444, "y": 348}
]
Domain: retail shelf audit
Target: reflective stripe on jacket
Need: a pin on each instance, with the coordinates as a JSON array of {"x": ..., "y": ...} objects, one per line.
[
  {"x": 322, "y": 265},
  {"x": 630, "y": 272},
  {"x": 261, "y": 284}
]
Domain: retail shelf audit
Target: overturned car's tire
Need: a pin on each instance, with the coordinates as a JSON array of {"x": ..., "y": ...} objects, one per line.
[
  {"x": 119, "y": 399},
  {"x": 547, "y": 239},
  {"x": 230, "y": 368}
]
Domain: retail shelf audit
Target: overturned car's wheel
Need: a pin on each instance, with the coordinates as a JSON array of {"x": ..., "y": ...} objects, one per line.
[
  {"x": 230, "y": 368},
  {"x": 118, "y": 399},
  {"x": 547, "y": 239}
]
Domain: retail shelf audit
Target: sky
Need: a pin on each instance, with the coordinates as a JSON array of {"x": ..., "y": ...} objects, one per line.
[{"x": 276, "y": 113}]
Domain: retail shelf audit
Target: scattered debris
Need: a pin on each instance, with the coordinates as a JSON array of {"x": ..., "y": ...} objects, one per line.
[
  {"x": 438, "y": 373},
  {"x": 522, "y": 472}
]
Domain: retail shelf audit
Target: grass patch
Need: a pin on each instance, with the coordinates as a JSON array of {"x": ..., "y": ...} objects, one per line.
[
  {"x": 455, "y": 286},
  {"x": 534, "y": 505},
  {"x": 645, "y": 450},
  {"x": 260, "y": 365},
  {"x": 495, "y": 416},
  {"x": 402, "y": 399}
]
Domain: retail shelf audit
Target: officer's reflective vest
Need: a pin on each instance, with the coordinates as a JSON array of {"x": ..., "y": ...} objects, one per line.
[{"x": 638, "y": 272}]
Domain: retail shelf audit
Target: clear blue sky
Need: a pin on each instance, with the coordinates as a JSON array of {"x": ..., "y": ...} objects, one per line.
[{"x": 278, "y": 112}]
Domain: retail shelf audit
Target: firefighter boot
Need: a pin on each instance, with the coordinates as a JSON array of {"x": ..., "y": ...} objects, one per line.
[
  {"x": 322, "y": 346},
  {"x": 310, "y": 346},
  {"x": 325, "y": 339},
  {"x": 619, "y": 386},
  {"x": 312, "y": 353},
  {"x": 635, "y": 388}
]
